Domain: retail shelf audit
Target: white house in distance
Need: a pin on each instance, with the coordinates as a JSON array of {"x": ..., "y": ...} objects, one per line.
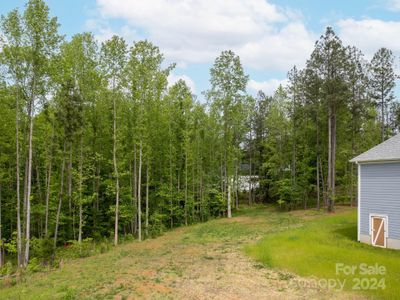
[{"x": 379, "y": 194}]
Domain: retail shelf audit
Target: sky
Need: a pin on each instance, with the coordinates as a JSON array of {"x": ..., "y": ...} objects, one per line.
[{"x": 270, "y": 36}]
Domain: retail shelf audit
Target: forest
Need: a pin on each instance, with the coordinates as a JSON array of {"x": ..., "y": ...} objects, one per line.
[{"x": 96, "y": 145}]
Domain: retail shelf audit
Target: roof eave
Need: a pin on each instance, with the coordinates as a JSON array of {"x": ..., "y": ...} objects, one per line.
[{"x": 361, "y": 161}]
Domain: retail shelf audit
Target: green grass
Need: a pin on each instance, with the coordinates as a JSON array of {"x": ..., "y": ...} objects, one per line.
[
  {"x": 315, "y": 248},
  {"x": 95, "y": 277},
  {"x": 308, "y": 243}
]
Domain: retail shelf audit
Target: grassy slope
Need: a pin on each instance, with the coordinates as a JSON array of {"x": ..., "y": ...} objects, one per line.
[
  {"x": 196, "y": 262},
  {"x": 157, "y": 264},
  {"x": 315, "y": 248}
]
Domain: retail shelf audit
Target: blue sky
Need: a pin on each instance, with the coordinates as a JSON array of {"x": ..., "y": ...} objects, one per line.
[{"x": 270, "y": 36}]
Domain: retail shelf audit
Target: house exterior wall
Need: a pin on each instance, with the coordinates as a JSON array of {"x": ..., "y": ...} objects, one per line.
[{"x": 380, "y": 194}]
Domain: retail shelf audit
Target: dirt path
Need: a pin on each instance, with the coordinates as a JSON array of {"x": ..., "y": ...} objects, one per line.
[
  {"x": 204, "y": 261},
  {"x": 178, "y": 266}
]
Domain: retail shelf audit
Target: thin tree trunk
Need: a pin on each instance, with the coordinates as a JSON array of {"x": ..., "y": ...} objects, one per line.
[
  {"x": 70, "y": 190},
  {"x": 318, "y": 188},
  {"x": 19, "y": 233},
  {"x": 40, "y": 199},
  {"x": 334, "y": 162},
  {"x": 170, "y": 185},
  {"x": 329, "y": 179},
  {"x": 324, "y": 193},
  {"x": 139, "y": 194},
  {"x": 80, "y": 192},
  {"x": 1, "y": 236},
  {"x": 60, "y": 197},
  {"x": 134, "y": 221},
  {"x": 147, "y": 199},
  {"x": 29, "y": 184},
  {"x": 48, "y": 184},
  {"x": 237, "y": 185},
  {"x": 331, "y": 158},
  {"x": 383, "y": 118},
  {"x": 250, "y": 181},
  {"x": 229, "y": 201},
  {"x": 194, "y": 206},
  {"x": 186, "y": 190},
  {"x": 318, "y": 162},
  {"x": 115, "y": 171}
]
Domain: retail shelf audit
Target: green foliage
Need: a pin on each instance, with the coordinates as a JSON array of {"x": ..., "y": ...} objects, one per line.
[
  {"x": 7, "y": 269},
  {"x": 74, "y": 249},
  {"x": 42, "y": 249},
  {"x": 156, "y": 224},
  {"x": 34, "y": 265},
  {"x": 97, "y": 110},
  {"x": 11, "y": 245}
]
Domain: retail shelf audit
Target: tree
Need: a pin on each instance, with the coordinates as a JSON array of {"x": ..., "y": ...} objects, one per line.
[
  {"x": 113, "y": 57},
  {"x": 329, "y": 59},
  {"x": 228, "y": 88},
  {"x": 382, "y": 84},
  {"x": 35, "y": 35},
  {"x": 12, "y": 55},
  {"x": 146, "y": 82}
]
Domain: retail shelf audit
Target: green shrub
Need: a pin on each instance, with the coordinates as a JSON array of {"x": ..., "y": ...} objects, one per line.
[
  {"x": 156, "y": 224},
  {"x": 34, "y": 265},
  {"x": 7, "y": 269},
  {"x": 42, "y": 249}
]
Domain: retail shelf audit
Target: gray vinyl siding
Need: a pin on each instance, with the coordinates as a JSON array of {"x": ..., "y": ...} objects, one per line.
[{"x": 380, "y": 193}]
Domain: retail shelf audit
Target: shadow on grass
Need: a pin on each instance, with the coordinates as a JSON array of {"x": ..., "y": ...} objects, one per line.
[{"x": 348, "y": 232}]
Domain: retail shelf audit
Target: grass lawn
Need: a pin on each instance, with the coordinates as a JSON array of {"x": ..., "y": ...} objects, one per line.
[
  {"x": 208, "y": 261},
  {"x": 315, "y": 248},
  {"x": 203, "y": 261}
]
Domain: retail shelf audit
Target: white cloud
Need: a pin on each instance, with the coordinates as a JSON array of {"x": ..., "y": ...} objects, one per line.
[
  {"x": 269, "y": 86},
  {"x": 281, "y": 50},
  {"x": 196, "y": 31},
  {"x": 103, "y": 31},
  {"x": 370, "y": 34},
  {"x": 172, "y": 78},
  {"x": 393, "y": 5}
]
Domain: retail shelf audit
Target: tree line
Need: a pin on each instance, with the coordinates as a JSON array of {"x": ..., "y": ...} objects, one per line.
[{"x": 95, "y": 144}]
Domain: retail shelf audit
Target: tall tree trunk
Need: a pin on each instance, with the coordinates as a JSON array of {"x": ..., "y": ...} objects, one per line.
[
  {"x": 294, "y": 154},
  {"x": 29, "y": 183},
  {"x": 19, "y": 233},
  {"x": 250, "y": 179},
  {"x": 40, "y": 199},
  {"x": 186, "y": 190},
  {"x": 134, "y": 196},
  {"x": 331, "y": 157},
  {"x": 60, "y": 198},
  {"x": 170, "y": 184},
  {"x": 80, "y": 192},
  {"x": 147, "y": 199},
  {"x": 139, "y": 208},
  {"x": 334, "y": 162},
  {"x": 1, "y": 225},
  {"x": 115, "y": 171},
  {"x": 323, "y": 183},
  {"x": 318, "y": 164},
  {"x": 383, "y": 117},
  {"x": 48, "y": 185},
  {"x": 24, "y": 209},
  {"x": 71, "y": 210},
  {"x": 318, "y": 183},
  {"x": 237, "y": 185},
  {"x": 229, "y": 201}
]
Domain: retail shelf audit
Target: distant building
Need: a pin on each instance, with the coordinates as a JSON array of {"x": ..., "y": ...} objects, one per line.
[
  {"x": 379, "y": 194},
  {"x": 244, "y": 182}
]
